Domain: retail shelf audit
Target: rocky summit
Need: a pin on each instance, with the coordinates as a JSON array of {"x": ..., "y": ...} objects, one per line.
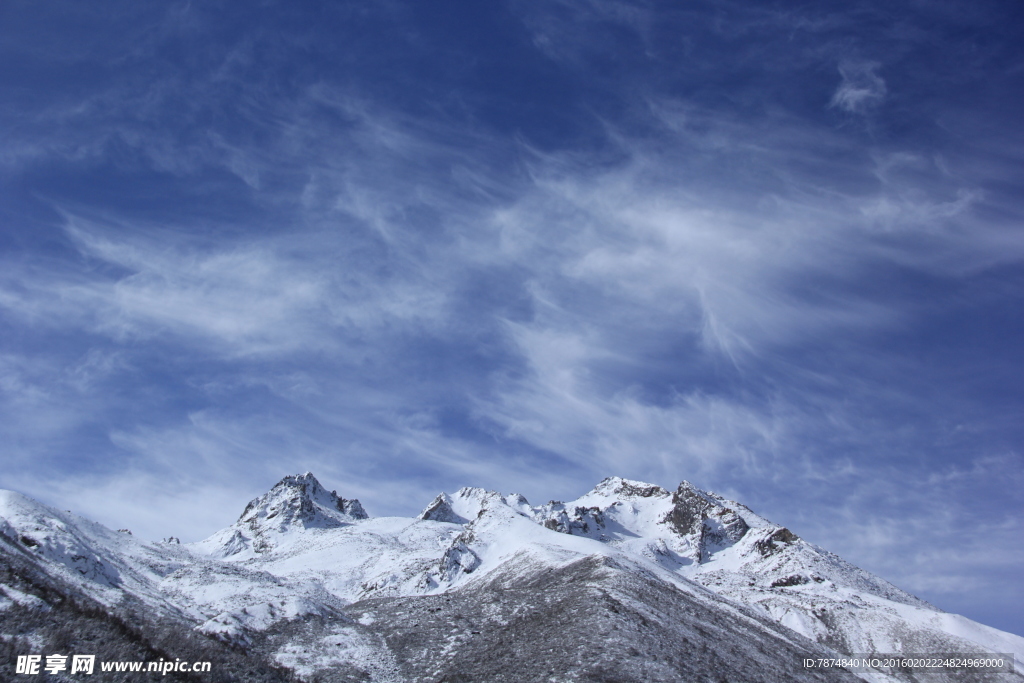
[{"x": 629, "y": 582}]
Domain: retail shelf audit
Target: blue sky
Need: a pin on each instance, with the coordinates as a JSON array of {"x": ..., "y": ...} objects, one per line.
[{"x": 775, "y": 249}]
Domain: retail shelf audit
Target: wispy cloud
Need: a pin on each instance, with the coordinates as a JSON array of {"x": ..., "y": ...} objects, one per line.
[{"x": 861, "y": 88}]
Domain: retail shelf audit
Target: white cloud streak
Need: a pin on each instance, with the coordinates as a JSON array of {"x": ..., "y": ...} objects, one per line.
[{"x": 861, "y": 89}]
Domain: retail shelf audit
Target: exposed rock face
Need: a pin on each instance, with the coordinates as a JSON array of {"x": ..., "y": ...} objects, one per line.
[
  {"x": 458, "y": 558},
  {"x": 689, "y": 510},
  {"x": 697, "y": 515},
  {"x": 769, "y": 545},
  {"x": 440, "y": 510},
  {"x": 578, "y": 520}
]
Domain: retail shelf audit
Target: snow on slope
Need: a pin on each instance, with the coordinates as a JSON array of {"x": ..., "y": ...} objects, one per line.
[
  {"x": 300, "y": 550},
  {"x": 725, "y": 547},
  {"x": 105, "y": 563}
]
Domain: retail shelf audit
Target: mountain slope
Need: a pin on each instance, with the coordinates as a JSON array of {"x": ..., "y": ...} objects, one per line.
[{"x": 629, "y": 582}]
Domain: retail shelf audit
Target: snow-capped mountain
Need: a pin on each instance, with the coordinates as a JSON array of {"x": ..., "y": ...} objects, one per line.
[
  {"x": 297, "y": 502},
  {"x": 629, "y": 582}
]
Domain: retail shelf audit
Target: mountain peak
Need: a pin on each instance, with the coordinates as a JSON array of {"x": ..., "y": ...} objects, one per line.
[{"x": 298, "y": 501}]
